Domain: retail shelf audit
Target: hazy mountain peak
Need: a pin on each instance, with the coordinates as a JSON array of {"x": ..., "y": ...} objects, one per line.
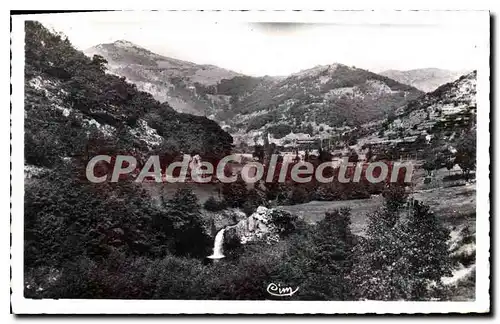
[
  {"x": 426, "y": 79},
  {"x": 125, "y": 43},
  {"x": 318, "y": 69}
]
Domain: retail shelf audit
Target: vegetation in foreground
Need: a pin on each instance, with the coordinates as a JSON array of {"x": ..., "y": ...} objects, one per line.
[{"x": 119, "y": 247}]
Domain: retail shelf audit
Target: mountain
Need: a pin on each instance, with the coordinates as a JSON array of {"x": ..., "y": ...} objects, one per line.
[
  {"x": 312, "y": 101},
  {"x": 74, "y": 109},
  {"x": 424, "y": 79},
  {"x": 167, "y": 79}
]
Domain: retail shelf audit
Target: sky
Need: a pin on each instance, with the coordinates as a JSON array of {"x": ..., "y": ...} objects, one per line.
[{"x": 262, "y": 48}]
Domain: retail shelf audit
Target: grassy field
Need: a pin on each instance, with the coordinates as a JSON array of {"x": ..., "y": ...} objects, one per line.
[
  {"x": 314, "y": 211},
  {"x": 453, "y": 205},
  {"x": 450, "y": 204}
]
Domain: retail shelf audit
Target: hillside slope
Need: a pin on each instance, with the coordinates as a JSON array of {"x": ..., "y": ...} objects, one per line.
[
  {"x": 444, "y": 116},
  {"x": 74, "y": 109},
  {"x": 167, "y": 79}
]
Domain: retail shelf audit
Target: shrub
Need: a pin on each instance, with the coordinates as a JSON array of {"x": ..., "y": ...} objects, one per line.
[
  {"x": 214, "y": 205},
  {"x": 455, "y": 177},
  {"x": 353, "y": 156},
  {"x": 298, "y": 195},
  {"x": 254, "y": 199},
  {"x": 285, "y": 222},
  {"x": 235, "y": 193},
  {"x": 280, "y": 130}
]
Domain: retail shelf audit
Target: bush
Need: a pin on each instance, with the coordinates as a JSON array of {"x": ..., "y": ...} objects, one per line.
[
  {"x": 235, "y": 193},
  {"x": 455, "y": 177},
  {"x": 298, "y": 195},
  {"x": 128, "y": 277},
  {"x": 214, "y": 205},
  {"x": 254, "y": 199},
  {"x": 65, "y": 219},
  {"x": 285, "y": 222},
  {"x": 353, "y": 156},
  {"x": 280, "y": 130},
  {"x": 260, "y": 121}
]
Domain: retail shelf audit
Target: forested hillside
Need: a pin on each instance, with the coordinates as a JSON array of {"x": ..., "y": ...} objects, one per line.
[
  {"x": 333, "y": 94},
  {"x": 74, "y": 108},
  {"x": 439, "y": 127}
]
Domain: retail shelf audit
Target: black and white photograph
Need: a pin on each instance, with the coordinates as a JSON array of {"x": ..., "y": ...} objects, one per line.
[{"x": 254, "y": 162}]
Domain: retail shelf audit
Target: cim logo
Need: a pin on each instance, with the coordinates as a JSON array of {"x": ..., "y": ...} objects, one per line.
[{"x": 278, "y": 291}]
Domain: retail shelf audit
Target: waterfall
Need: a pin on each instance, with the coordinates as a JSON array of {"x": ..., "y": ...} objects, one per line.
[{"x": 219, "y": 241}]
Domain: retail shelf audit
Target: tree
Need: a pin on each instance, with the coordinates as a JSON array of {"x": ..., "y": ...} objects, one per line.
[
  {"x": 309, "y": 129},
  {"x": 395, "y": 199},
  {"x": 320, "y": 259},
  {"x": 426, "y": 252},
  {"x": 465, "y": 156},
  {"x": 429, "y": 165},
  {"x": 298, "y": 195},
  {"x": 259, "y": 152},
  {"x": 254, "y": 198},
  {"x": 369, "y": 154},
  {"x": 324, "y": 155},
  {"x": 183, "y": 213},
  {"x": 212, "y": 204},
  {"x": 450, "y": 164},
  {"x": 100, "y": 62},
  {"x": 66, "y": 218},
  {"x": 404, "y": 254},
  {"x": 286, "y": 223},
  {"x": 235, "y": 193}
]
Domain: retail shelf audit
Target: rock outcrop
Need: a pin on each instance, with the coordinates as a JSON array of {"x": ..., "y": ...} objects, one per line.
[
  {"x": 263, "y": 225},
  {"x": 215, "y": 221}
]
